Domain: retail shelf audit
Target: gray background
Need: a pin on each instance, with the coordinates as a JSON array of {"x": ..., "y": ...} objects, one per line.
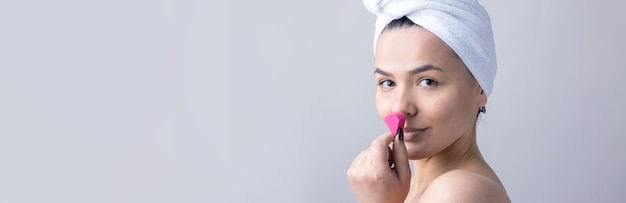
[{"x": 269, "y": 101}]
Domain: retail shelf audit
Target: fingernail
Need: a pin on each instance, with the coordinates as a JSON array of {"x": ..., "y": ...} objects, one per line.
[{"x": 400, "y": 134}]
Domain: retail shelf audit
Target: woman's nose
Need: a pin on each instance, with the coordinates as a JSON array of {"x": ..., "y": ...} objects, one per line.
[{"x": 404, "y": 102}]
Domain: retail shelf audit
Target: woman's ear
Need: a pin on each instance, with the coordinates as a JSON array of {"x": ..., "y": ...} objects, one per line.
[{"x": 482, "y": 99}]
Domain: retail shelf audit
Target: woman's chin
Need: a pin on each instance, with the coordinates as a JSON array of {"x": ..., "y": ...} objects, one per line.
[{"x": 414, "y": 152}]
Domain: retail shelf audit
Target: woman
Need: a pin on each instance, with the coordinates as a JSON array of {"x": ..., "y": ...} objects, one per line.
[{"x": 434, "y": 62}]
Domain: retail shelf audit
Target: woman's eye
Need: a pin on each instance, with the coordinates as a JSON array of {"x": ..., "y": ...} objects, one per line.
[
  {"x": 386, "y": 83},
  {"x": 428, "y": 83}
]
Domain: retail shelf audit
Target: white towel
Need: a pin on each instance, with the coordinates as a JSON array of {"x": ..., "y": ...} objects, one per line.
[{"x": 463, "y": 24}]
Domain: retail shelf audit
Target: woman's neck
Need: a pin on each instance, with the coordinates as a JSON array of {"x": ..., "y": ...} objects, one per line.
[{"x": 463, "y": 153}]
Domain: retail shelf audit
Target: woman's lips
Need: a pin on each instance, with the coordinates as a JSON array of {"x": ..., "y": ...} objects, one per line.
[{"x": 412, "y": 133}]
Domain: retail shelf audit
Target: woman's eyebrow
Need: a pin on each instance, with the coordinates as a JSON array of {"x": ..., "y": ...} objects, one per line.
[
  {"x": 424, "y": 68},
  {"x": 379, "y": 71},
  {"x": 417, "y": 70}
]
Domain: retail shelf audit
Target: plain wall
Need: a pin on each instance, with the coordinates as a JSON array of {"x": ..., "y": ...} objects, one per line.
[{"x": 269, "y": 101}]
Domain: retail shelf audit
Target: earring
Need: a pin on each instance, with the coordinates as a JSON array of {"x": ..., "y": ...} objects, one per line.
[{"x": 482, "y": 109}]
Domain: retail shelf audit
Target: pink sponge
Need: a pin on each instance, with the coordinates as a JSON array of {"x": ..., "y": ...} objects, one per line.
[{"x": 395, "y": 121}]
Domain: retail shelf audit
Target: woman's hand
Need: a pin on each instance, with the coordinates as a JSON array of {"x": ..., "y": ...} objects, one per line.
[{"x": 371, "y": 177}]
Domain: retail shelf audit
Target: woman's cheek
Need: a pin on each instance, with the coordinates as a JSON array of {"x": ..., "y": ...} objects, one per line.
[
  {"x": 436, "y": 108},
  {"x": 382, "y": 105},
  {"x": 441, "y": 112},
  {"x": 452, "y": 114}
]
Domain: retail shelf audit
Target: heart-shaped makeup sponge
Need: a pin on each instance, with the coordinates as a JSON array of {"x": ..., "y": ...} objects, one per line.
[{"x": 395, "y": 121}]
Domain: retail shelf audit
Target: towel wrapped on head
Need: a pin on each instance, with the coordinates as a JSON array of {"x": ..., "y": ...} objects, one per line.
[{"x": 462, "y": 24}]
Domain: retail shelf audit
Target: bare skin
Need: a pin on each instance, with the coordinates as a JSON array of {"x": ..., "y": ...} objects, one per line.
[{"x": 418, "y": 74}]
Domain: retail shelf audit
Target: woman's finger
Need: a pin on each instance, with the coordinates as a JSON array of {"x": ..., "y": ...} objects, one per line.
[
  {"x": 380, "y": 149},
  {"x": 401, "y": 162}
]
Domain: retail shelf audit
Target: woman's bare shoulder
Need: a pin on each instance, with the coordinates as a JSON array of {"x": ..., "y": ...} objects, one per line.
[{"x": 463, "y": 185}]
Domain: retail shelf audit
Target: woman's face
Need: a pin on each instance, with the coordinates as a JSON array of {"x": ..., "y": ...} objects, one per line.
[{"x": 418, "y": 74}]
